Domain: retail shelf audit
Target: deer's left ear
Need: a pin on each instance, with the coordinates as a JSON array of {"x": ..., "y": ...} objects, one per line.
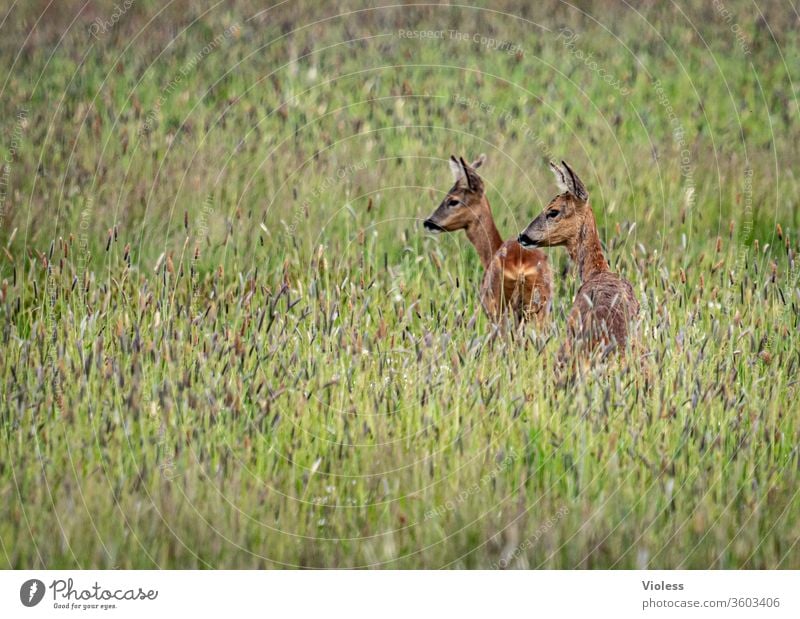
[
  {"x": 459, "y": 174},
  {"x": 561, "y": 177}
]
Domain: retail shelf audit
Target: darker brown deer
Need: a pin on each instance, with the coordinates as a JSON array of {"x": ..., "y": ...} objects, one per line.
[
  {"x": 514, "y": 279},
  {"x": 605, "y": 304}
]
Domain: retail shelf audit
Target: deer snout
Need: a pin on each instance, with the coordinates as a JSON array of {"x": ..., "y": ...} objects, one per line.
[
  {"x": 431, "y": 225},
  {"x": 526, "y": 241}
]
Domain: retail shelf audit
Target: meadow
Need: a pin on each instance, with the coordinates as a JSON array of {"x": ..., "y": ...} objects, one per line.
[{"x": 227, "y": 341}]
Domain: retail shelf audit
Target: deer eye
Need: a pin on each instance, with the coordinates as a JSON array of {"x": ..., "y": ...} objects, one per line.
[
  {"x": 452, "y": 202},
  {"x": 553, "y": 213}
]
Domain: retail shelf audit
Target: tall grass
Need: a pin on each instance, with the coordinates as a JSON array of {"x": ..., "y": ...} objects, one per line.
[{"x": 227, "y": 342}]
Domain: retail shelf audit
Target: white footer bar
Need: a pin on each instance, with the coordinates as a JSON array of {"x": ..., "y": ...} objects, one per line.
[{"x": 390, "y": 594}]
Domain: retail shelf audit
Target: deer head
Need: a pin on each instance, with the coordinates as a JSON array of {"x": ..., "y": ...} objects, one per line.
[
  {"x": 464, "y": 204},
  {"x": 564, "y": 218}
]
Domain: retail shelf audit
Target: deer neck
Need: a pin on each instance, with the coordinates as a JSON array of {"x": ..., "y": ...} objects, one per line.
[
  {"x": 586, "y": 250},
  {"x": 483, "y": 234}
]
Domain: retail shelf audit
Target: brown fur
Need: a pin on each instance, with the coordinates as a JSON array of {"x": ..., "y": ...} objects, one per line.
[
  {"x": 514, "y": 278},
  {"x": 605, "y": 303},
  {"x": 519, "y": 280}
]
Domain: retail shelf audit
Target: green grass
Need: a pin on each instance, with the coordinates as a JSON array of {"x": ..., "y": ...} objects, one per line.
[{"x": 227, "y": 342}]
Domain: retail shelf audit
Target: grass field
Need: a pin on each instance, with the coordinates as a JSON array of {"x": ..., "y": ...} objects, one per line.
[{"x": 227, "y": 341}]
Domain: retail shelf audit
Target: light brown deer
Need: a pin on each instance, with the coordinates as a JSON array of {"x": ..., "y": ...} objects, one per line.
[
  {"x": 605, "y": 304},
  {"x": 514, "y": 278}
]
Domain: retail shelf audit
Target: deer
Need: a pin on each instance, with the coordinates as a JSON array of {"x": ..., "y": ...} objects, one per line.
[
  {"x": 515, "y": 280},
  {"x": 605, "y": 304}
]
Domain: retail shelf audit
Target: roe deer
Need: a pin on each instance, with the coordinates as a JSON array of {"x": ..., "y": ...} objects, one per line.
[
  {"x": 513, "y": 277},
  {"x": 605, "y": 303}
]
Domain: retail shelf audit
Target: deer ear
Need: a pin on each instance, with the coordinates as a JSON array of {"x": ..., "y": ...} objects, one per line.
[
  {"x": 474, "y": 182},
  {"x": 479, "y": 161},
  {"x": 561, "y": 177},
  {"x": 575, "y": 185},
  {"x": 458, "y": 172}
]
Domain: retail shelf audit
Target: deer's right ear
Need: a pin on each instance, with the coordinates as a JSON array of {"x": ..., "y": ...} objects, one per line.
[
  {"x": 474, "y": 182},
  {"x": 479, "y": 161},
  {"x": 459, "y": 174},
  {"x": 576, "y": 186}
]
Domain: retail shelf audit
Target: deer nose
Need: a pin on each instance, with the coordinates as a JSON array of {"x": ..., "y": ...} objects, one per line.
[
  {"x": 526, "y": 241},
  {"x": 432, "y": 226}
]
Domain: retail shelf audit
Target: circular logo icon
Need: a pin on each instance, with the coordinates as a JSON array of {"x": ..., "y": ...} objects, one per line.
[{"x": 31, "y": 592}]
